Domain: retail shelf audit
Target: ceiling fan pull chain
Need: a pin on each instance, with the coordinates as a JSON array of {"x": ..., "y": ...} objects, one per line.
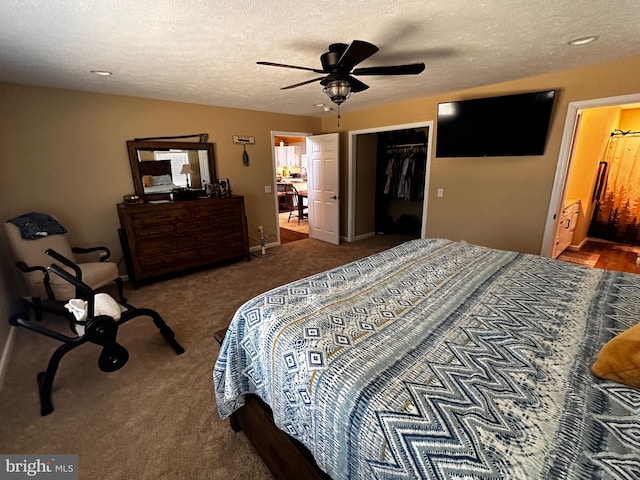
[{"x": 338, "y": 115}]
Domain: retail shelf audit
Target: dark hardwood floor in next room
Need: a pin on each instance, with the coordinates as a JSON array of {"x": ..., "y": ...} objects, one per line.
[{"x": 608, "y": 256}]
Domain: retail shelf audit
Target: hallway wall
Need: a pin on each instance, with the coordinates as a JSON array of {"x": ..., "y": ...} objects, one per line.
[{"x": 595, "y": 126}]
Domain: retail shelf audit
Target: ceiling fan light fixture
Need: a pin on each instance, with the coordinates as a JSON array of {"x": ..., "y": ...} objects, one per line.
[{"x": 338, "y": 91}]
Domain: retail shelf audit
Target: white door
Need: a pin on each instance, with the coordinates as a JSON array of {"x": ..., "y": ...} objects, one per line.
[{"x": 324, "y": 188}]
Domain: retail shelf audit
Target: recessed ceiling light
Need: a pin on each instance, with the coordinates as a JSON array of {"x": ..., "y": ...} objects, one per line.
[
  {"x": 102, "y": 73},
  {"x": 583, "y": 40},
  {"x": 318, "y": 105}
]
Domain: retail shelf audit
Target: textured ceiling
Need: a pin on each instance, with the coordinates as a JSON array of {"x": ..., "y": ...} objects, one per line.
[{"x": 201, "y": 51}]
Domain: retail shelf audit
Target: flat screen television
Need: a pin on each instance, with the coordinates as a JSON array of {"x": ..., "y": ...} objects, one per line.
[{"x": 504, "y": 126}]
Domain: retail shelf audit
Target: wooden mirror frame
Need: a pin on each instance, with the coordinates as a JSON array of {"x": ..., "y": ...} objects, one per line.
[{"x": 134, "y": 146}]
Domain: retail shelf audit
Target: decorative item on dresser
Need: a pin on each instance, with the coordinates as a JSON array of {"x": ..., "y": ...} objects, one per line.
[{"x": 163, "y": 238}]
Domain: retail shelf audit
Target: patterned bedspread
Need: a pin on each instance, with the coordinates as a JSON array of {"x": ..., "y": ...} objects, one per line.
[{"x": 438, "y": 359}]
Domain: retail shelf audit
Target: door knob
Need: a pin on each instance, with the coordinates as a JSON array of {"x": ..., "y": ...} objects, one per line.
[{"x": 335, "y": 197}]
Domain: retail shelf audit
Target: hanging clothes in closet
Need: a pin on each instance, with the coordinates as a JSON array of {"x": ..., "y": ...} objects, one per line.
[{"x": 405, "y": 172}]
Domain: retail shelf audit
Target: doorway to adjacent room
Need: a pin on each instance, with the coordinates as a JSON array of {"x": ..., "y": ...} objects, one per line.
[
  {"x": 291, "y": 176},
  {"x": 585, "y": 168}
]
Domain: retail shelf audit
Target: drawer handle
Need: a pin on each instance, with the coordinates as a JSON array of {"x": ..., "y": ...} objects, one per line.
[
  {"x": 167, "y": 245},
  {"x": 155, "y": 233},
  {"x": 162, "y": 216}
]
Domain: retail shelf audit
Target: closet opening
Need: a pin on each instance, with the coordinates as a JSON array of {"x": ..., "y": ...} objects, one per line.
[
  {"x": 389, "y": 180},
  {"x": 400, "y": 182}
]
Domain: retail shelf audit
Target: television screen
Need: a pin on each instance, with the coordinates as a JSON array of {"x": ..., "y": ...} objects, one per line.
[{"x": 509, "y": 125}]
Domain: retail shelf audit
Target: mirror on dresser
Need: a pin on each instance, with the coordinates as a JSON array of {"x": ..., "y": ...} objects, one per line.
[{"x": 159, "y": 167}]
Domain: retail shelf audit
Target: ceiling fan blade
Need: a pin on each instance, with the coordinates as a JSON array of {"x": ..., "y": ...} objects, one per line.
[
  {"x": 271, "y": 64},
  {"x": 357, "y": 85},
  {"x": 410, "y": 69},
  {"x": 301, "y": 83},
  {"x": 355, "y": 53}
]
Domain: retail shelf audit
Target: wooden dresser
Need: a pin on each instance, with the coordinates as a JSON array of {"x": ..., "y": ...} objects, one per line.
[{"x": 163, "y": 238}]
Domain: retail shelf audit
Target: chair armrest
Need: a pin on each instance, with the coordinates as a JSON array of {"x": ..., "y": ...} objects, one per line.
[
  {"x": 27, "y": 269},
  {"x": 23, "y": 267},
  {"x": 103, "y": 257}
]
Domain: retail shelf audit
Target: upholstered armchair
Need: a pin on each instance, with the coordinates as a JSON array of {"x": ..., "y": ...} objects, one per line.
[{"x": 32, "y": 260}]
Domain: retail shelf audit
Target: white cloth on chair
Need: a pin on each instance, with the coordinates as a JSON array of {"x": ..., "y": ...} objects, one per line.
[{"x": 104, "y": 304}]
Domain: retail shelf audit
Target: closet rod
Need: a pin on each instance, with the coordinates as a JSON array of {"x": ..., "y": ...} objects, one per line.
[{"x": 622, "y": 133}]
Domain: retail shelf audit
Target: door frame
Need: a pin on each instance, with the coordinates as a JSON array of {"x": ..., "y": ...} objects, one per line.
[
  {"x": 351, "y": 175},
  {"x": 563, "y": 165},
  {"x": 274, "y": 187}
]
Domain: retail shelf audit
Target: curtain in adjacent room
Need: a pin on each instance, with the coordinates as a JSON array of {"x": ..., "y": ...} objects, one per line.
[{"x": 617, "y": 214}]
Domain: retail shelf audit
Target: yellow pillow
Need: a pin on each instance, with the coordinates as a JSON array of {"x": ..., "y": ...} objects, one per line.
[
  {"x": 619, "y": 358},
  {"x": 147, "y": 180}
]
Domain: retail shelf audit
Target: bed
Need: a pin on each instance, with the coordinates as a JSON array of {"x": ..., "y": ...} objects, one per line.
[
  {"x": 156, "y": 176},
  {"x": 438, "y": 359}
]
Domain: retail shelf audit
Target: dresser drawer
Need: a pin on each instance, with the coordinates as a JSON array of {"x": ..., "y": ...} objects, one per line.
[
  {"x": 223, "y": 207},
  {"x": 194, "y": 226},
  {"x": 154, "y": 231},
  {"x": 165, "y": 245},
  {"x": 158, "y": 264},
  {"x": 164, "y": 215}
]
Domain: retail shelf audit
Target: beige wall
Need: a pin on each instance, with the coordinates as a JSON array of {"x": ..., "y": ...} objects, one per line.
[
  {"x": 64, "y": 152},
  {"x": 630, "y": 120},
  {"x": 367, "y": 150},
  {"x": 499, "y": 202}
]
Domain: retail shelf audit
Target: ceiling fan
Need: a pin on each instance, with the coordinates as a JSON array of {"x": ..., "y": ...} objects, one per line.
[{"x": 338, "y": 69}]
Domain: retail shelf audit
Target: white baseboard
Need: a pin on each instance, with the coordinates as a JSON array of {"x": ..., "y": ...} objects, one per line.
[
  {"x": 257, "y": 248},
  {"x": 4, "y": 358},
  {"x": 364, "y": 235}
]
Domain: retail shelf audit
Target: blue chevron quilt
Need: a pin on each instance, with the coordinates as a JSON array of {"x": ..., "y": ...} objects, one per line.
[{"x": 442, "y": 360}]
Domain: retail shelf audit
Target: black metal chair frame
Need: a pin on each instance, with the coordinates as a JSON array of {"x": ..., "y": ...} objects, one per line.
[{"x": 101, "y": 330}]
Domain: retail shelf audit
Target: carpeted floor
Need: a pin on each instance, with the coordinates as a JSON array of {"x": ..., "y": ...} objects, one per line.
[{"x": 156, "y": 417}]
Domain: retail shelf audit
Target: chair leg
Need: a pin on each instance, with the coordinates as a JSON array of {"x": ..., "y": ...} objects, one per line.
[{"x": 120, "y": 286}]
